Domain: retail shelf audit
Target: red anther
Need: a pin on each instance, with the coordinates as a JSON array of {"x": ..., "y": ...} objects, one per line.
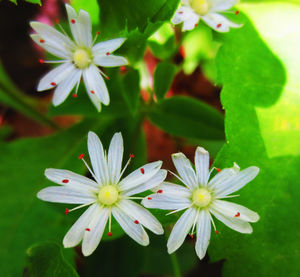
[
  {"x": 66, "y": 211},
  {"x": 191, "y": 236},
  {"x": 237, "y": 214},
  {"x": 81, "y": 156},
  {"x": 131, "y": 156},
  {"x": 53, "y": 84},
  {"x": 41, "y": 61},
  {"x": 196, "y": 25},
  {"x": 98, "y": 33},
  {"x": 217, "y": 232},
  {"x": 106, "y": 77},
  {"x": 109, "y": 234},
  {"x": 88, "y": 229},
  {"x": 57, "y": 20},
  {"x": 92, "y": 92},
  {"x": 219, "y": 25},
  {"x": 218, "y": 169},
  {"x": 237, "y": 12},
  {"x": 181, "y": 12},
  {"x": 123, "y": 68},
  {"x": 142, "y": 170},
  {"x": 136, "y": 222},
  {"x": 149, "y": 198},
  {"x": 74, "y": 95},
  {"x": 42, "y": 40},
  {"x": 107, "y": 53},
  {"x": 73, "y": 21},
  {"x": 65, "y": 181},
  {"x": 160, "y": 191}
]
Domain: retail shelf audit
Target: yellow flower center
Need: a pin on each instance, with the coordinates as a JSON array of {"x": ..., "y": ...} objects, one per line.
[
  {"x": 201, "y": 7},
  {"x": 108, "y": 195},
  {"x": 82, "y": 58},
  {"x": 201, "y": 197}
]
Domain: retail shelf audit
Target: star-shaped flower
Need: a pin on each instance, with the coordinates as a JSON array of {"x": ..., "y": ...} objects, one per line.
[
  {"x": 79, "y": 58},
  {"x": 106, "y": 196},
  {"x": 191, "y": 11},
  {"x": 201, "y": 198}
]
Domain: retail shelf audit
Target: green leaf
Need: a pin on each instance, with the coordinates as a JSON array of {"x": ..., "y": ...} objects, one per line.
[
  {"x": 47, "y": 260},
  {"x": 188, "y": 118},
  {"x": 91, "y": 6},
  {"x": 34, "y": 2},
  {"x": 25, "y": 219},
  {"x": 259, "y": 69},
  {"x": 163, "y": 77}
]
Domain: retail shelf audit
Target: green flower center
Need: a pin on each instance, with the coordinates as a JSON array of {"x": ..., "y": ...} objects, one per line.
[
  {"x": 201, "y": 7},
  {"x": 201, "y": 197},
  {"x": 108, "y": 195},
  {"x": 82, "y": 58}
]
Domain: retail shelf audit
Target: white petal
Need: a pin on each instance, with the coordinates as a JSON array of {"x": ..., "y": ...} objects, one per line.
[
  {"x": 234, "y": 210},
  {"x": 115, "y": 156},
  {"x": 75, "y": 234},
  {"x": 107, "y": 46},
  {"x": 135, "y": 231},
  {"x": 91, "y": 238},
  {"x": 222, "y": 5},
  {"x": 185, "y": 170},
  {"x": 183, "y": 13},
  {"x": 56, "y": 75},
  {"x": 140, "y": 176},
  {"x": 156, "y": 180},
  {"x": 219, "y": 22},
  {"x": 98, "y": 158},
  {"x": 223, "y": 176},
  {"x": 203, "y": 233},
  {"x": 191, "y": 22},
  {"x": 80, "y": 26},
  {"x": 110, "y": 60},
  {"x": 53, "y": 39},
  {"x": 66, "y": 195},
  {"x": 65, "y": 87},
  {"x": 202, "y": 165},
  {"x": 181, "y": 229},
  {"x": 236, "y": 182},
  {"x": 94, "y": 83},
  {"x": 95, "y": 100},
  {"x": 143, "y": 216},
  {"x": 171, "y": 189},
  {"x": 74, "y": 180},
  {"x": 165, "y": 202},
  {"x": 233, "y": 223}
]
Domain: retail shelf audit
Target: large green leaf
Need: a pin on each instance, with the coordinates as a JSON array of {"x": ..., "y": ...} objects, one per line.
[
  {"x": 261, "y": 96},
  {"x": 47, "y": 260},
  {"x": 188, "y": 118}
]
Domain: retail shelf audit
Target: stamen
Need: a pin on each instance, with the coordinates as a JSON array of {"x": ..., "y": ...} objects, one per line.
[
  {"x": 237, "y": 214},
  {"x": 92, "y": 92},
  {"x": 126, "y": 165},
  {"x": 149, "y": 198},
  {"x": 41, "y": 61},
  {"x": 42, "y": 40},
  {"x": 237, "y": 12},
  {"x": 88, "y": 229},
  {"x": 89, "y": 169},
  {"x": 219, "y": 25},
  {"x": 218, "y": 169},
  {"x": 107, "y": 53},
  {"x": 180, "y": 12},
  {"x": 176, "y": 176},
  {"x": 160, "y": 191},
  {"x": 73, "y": 21},
  {"x": 213, "y": 223},
  {"x": 66, "y": 211},
  {"x": 109, "y": 234},
  {"x": 80, "y": 156},
  {"x": 178, "y": 210},
  {"x": 142, "y": 170},
  {"x": 196, "y": 25},
  {"x": 74, "y": 95},
  {"x": 123, "y": 69},
  {"x": 65, "y": 181},
  {"x": 136, "y": 222},
  {"x": 132, "y": 197},
  {"x": 191, "y": 236},
  {"x": 131, "y": 156},
  {"x": 102, "y": 73},
  {"x": 227, "y": 196},
  {"x": 98, "y": 33},
  {"x": 109, "y": 225},
  {"x": 76, "y": 89},
  {"x": 80, "y": 206},
  {"x": 53, "y": 84},
  {"x": 217, "y": 232},
  {"x": 194, "y": 224}
]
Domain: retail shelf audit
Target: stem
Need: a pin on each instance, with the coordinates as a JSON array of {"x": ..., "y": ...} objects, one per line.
[{"x": 175, "y": 265}]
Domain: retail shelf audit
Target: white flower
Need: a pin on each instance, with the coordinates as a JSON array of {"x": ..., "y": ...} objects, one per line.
[
  {"x": 201, "y": 198},
  {"x": 80, "y": 58},
  {"x": 106, "y": 196},
  {"x": 191, "y": 11}
]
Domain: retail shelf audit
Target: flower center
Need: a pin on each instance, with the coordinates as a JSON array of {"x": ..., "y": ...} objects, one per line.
[
  {"x": 82, "y": 58},
  {"x": 201, "y": 197},
  {"x": 108, "y": 195},
  {"x": 201, "y": 7}
]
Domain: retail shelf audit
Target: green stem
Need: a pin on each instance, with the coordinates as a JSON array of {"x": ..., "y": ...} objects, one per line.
[{"x": 175, "y": 265}]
